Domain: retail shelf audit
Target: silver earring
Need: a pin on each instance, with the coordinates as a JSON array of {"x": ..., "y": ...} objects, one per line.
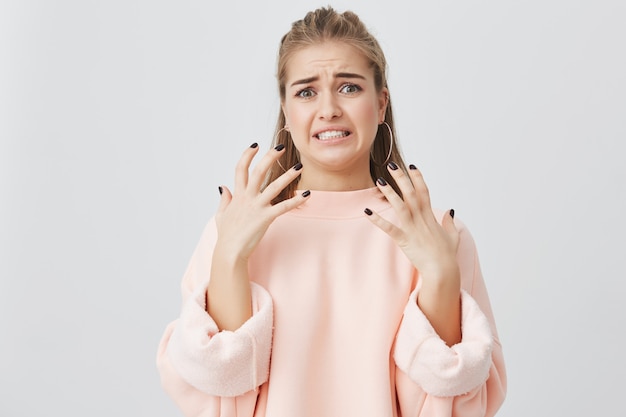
[{"x": 390, "y": 146}]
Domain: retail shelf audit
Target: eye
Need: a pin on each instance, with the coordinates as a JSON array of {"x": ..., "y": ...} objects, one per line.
[
  {"x": 350, "y": 88},
  {"x": 305, "y": 93}
]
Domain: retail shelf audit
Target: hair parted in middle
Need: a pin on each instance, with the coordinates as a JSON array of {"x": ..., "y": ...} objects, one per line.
[{"x": 327, "y": 25}]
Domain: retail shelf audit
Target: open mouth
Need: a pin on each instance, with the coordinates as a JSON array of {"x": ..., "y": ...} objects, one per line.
[{"x": 332, "y": 134}]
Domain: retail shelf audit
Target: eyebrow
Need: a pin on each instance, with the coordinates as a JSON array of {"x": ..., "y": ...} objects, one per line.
[{"x": 337, "y": 75}]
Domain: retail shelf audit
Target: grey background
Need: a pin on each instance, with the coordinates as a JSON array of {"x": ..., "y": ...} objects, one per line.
[{"x": 119, "y": 119}]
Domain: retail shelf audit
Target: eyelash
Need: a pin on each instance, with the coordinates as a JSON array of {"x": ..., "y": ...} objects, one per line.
[
  {"x": 307, "y": 89},
  {"x": 357, "y": 88}
]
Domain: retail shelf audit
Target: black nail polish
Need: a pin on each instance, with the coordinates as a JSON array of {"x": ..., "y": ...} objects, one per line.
[
  {"x": 306, "y": 193},
  {"x": 220, "y": 189},
  {"x": 297, "y": 166},
  {"x": 393, "y": 165},
  {"x": 254, "y": 145},
  {"x": 279, "y": 147},
  {"x": 412, "y": 166},
  {"x": 368, "y": 211},
  {"x": 452, "y": 213},
  {"x": 381, "y": 181}
]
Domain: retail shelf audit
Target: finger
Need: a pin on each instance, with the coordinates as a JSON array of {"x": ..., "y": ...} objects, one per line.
[
  {"x": 225, "y": 198},
  {"x": 275, "y": 187},
  {"x": 386, "y": 226},
  {"x": 419, "y": 185},
  {"x": 290, "y": 203},
  {"x": 259, "y": 172},
  {"x": 398, "y": 204},
  {"x": 448, "y": 222},
  {"x": 409, "y": 194},
  {"x": 448, "y": 225},
  {"x": 243, "y": 165}
]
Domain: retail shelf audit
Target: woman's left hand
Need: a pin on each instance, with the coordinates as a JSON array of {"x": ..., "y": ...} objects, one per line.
[{"x": 430, "y": 246}]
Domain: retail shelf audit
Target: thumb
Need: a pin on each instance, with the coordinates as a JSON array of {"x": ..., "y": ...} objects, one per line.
[
  {"x": 448, "y": 223},
  {"x": 226, "y": 198}
]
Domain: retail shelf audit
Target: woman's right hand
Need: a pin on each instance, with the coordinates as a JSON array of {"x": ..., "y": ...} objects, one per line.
[
  {"x": 242, "y": 219},
  {"x": 244, "y": 216}
]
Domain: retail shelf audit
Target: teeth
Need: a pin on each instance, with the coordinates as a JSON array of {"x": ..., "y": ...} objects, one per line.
[{"x": 332, "y": 134}]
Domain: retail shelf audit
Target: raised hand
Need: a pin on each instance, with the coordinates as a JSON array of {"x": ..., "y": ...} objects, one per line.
[
  {"x": 242, "y": 219},
  {"x": 244, "y": 215},
  {"x": 430, "y": 246}
]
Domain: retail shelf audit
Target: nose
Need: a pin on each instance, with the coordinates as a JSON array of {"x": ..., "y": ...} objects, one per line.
[{"x": 329, "y": 107}]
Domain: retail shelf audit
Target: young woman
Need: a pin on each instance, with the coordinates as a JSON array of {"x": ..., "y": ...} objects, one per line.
[{"x": 326, "y": 285}]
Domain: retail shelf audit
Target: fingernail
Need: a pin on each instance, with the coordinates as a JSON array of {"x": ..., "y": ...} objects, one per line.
[
  {"x": 368, "y": 211},
  {"x": 412, "y": 166},
  {"x": 381, "y": 181},
  {"x": 279, "y": 147},
  {"x": 254, "y": 145},
  {"x": 220, "y": 189},
  {"x": 393, "y": 165},
  {"x": 452, "y": 213},
  {"x": 297, "y": 166},
  {"x": 306, "y": 193}
]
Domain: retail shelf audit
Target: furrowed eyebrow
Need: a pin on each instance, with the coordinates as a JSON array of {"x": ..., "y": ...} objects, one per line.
[
  {"x": 337, "y": 75},
  {"x": 349, "y": 75},
  {"x": 304, "y": 81}
]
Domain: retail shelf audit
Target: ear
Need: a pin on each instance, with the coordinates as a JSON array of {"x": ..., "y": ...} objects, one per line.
[{"x": 383, "y": 100}]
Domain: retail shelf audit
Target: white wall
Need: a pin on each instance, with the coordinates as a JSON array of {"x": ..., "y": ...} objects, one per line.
[{"x": 119, "y": 119}]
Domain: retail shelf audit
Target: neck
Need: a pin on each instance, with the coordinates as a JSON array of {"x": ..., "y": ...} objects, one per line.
[{"x": 315, "y": 178}]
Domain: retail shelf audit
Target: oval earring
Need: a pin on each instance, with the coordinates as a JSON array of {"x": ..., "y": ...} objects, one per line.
[{"x": 390, "y": 146}]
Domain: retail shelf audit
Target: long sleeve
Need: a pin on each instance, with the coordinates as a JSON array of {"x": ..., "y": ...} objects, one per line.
[
  {"x": 467, "y": 379},
  {"x": 205, "y": 371}
]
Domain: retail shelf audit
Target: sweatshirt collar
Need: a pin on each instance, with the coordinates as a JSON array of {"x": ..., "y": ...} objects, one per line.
[{"x": 341, "y": 204}]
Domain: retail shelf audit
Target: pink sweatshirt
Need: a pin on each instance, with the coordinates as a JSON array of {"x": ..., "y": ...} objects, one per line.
[{"x": 336, "y": 330}]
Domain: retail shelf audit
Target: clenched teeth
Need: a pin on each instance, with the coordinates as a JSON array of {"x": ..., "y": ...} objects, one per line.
[{"x": 332, "y": 134}]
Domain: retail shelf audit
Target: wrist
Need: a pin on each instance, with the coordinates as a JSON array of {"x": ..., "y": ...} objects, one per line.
[
  {"x": 442, "y": 277},
  {"x": 228, "y": 266},
  {"x": 228, "y": 255}
]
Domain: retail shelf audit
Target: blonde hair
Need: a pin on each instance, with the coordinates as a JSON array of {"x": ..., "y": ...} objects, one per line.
[{"x": 323, "y": 25}]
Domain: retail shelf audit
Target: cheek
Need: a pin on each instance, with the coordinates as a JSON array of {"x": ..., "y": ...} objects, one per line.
[
  {"x": 369, "y": 111},
  {"x": 298, "y": 121},
  {"x": 295, "y": 116},
  {"x": 368, "y": 117}
]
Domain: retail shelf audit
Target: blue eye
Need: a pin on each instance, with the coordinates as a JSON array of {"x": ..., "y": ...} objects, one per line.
[
  {"x": 305, "y": 93},
  {"x": 350, "y": 88}
]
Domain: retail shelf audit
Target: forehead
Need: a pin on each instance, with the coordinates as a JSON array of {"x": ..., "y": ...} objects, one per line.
[{"x": 327, "y": 57}]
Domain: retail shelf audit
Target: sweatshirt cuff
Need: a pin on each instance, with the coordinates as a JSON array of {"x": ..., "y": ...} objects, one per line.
[
  {"x": 226, "y": 363},
  {"x": 439, "y": 369}
]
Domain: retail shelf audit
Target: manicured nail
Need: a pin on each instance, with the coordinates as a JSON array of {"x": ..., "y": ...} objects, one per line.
[
  {"x": 306, "y": 193},
  {"x": 279, "y": 147},
  {"x": 381, "y": 181},
  {"x": 368, "y": 211},
  {"x": 452, "y": 213},
  {"x": 297, "y": 166},
  {"x": 220, "y": 189},
  {"x": 254, "y": 145},
  {"x": 412, "y": 166},
  {"x": 392, "y": 165}
]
